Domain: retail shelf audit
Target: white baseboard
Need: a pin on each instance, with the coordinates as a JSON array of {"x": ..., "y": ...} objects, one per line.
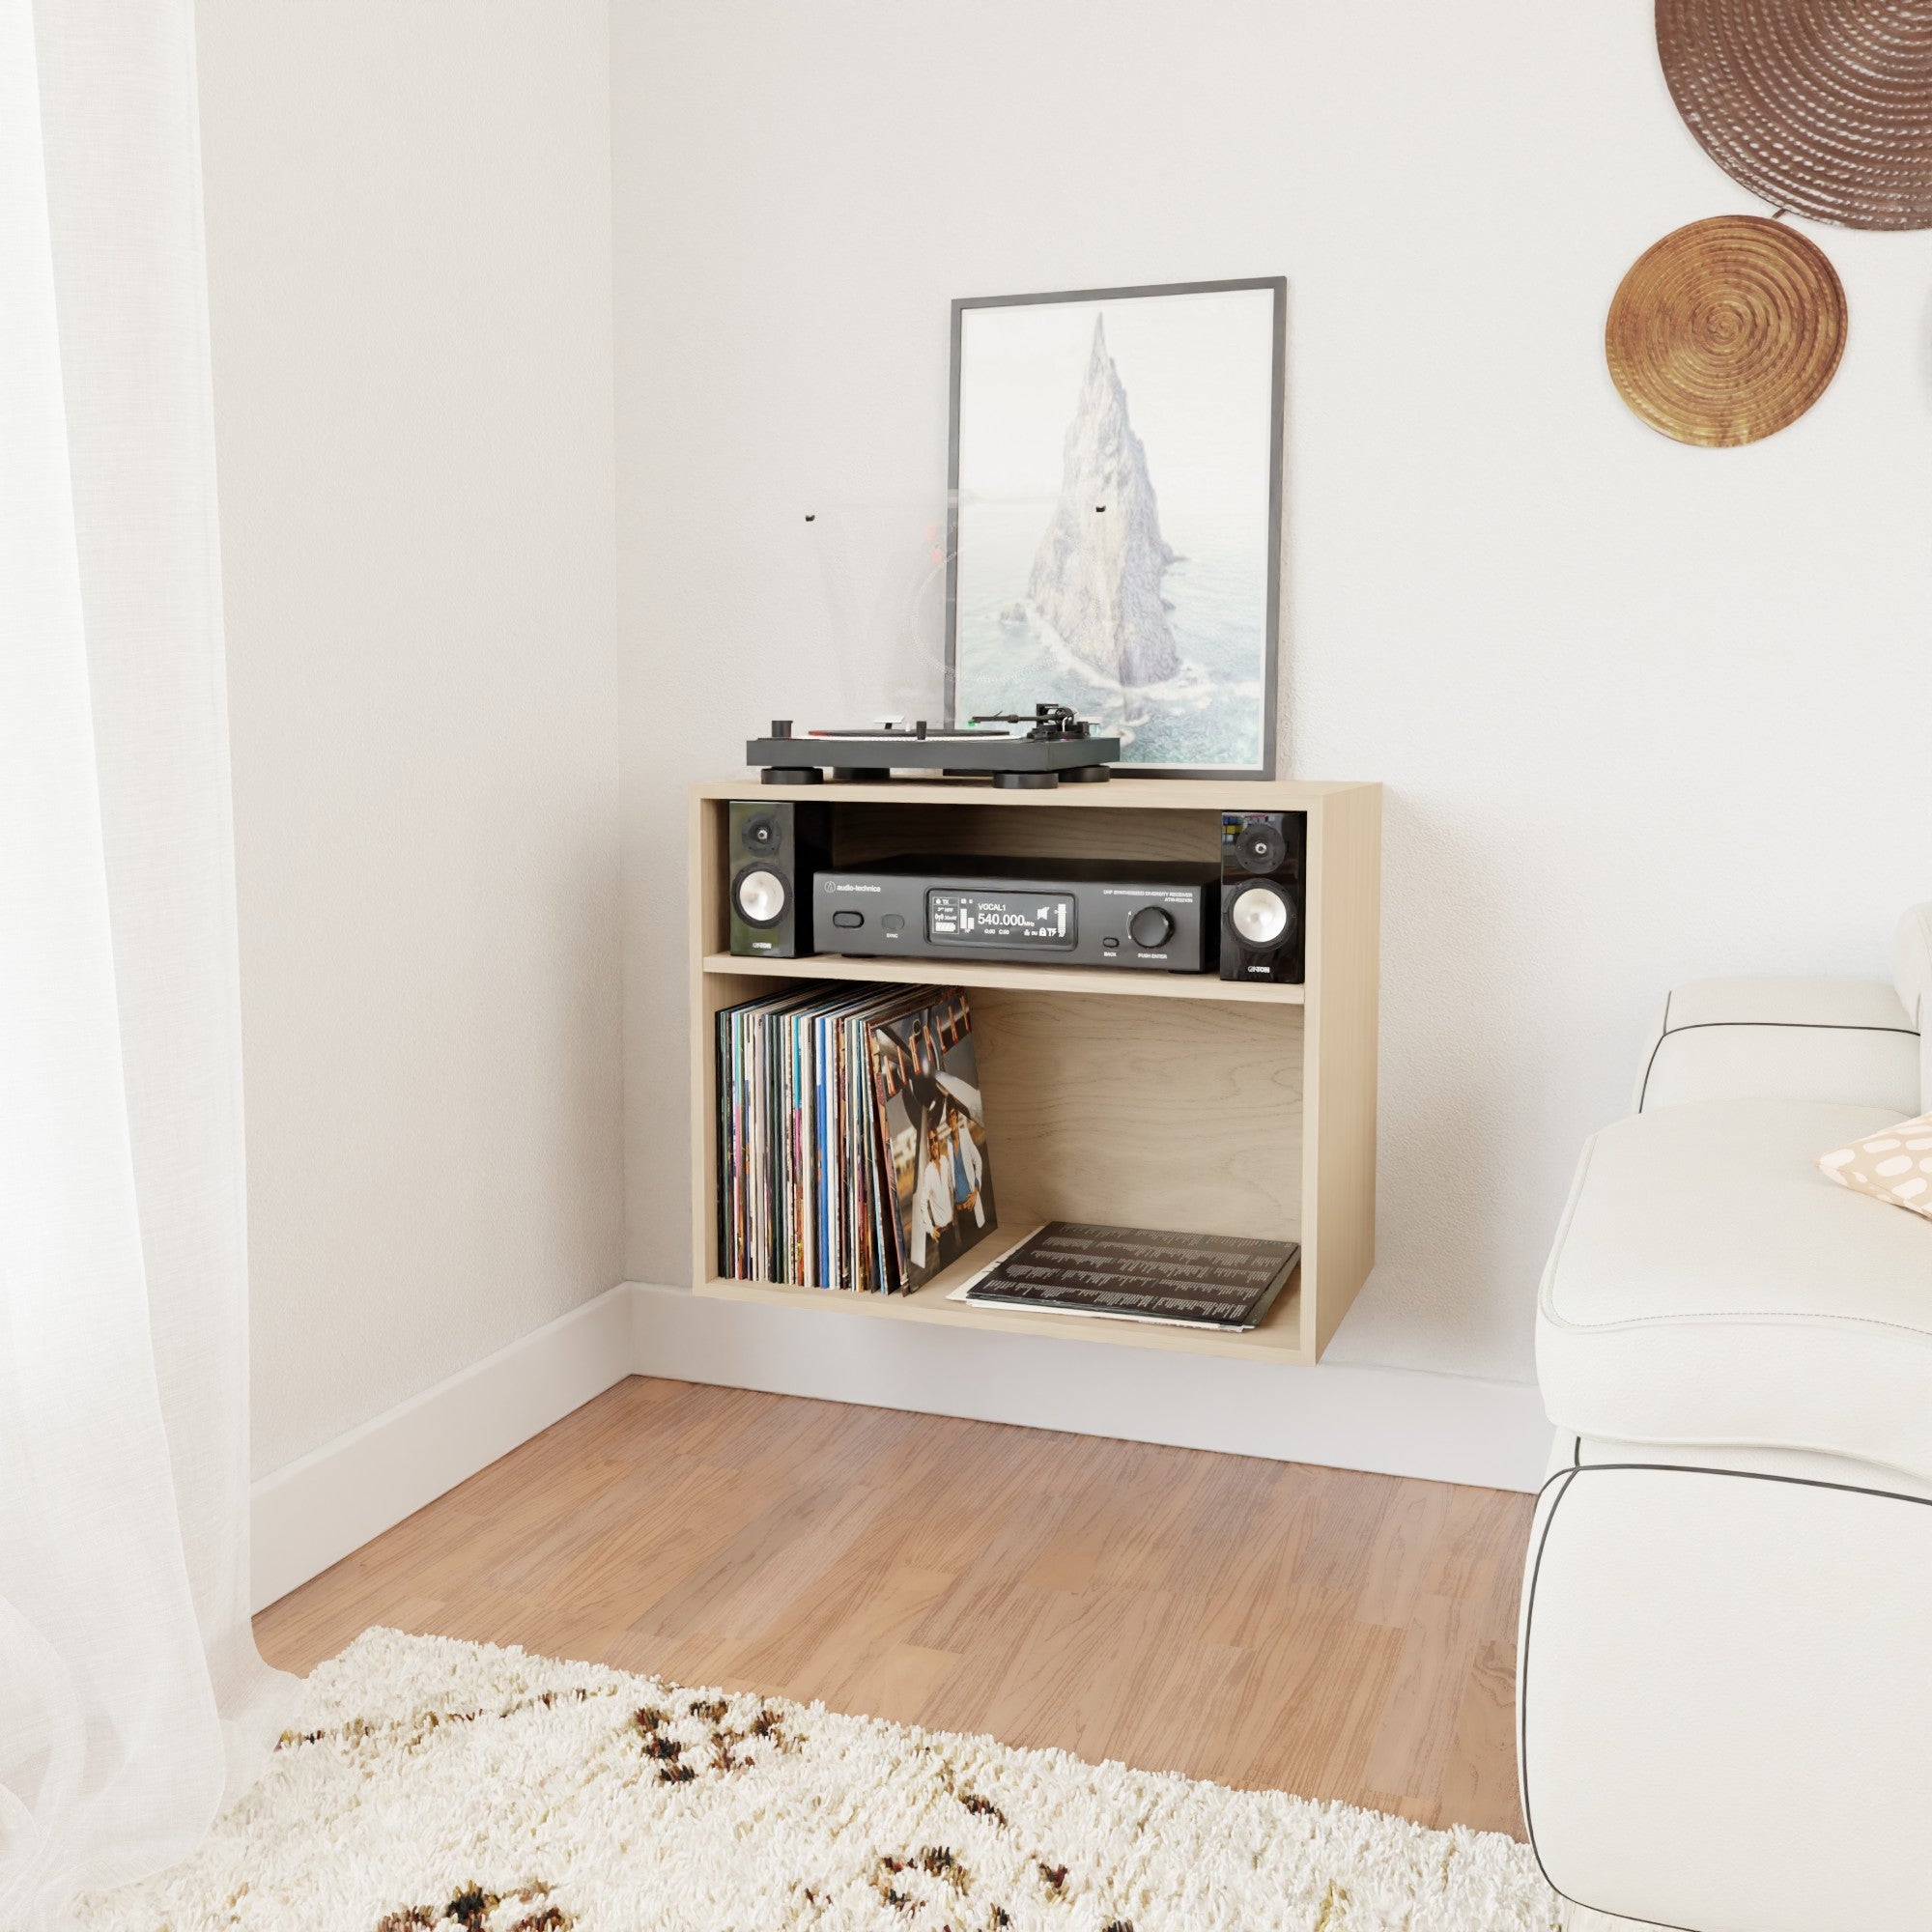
[
  {"x": 1403, "y": 1421},
  {"x": 312, "y": 1512}
]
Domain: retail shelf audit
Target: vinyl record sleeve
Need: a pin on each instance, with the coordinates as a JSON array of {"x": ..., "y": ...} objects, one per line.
[
  {"x": 851, "y": 1137},
  {"x": 1145, "y": 1274},
  {"x": 925, "y": 1077}
]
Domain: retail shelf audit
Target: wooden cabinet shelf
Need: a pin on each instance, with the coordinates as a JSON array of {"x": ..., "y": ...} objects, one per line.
[
  {"x": 1278, "y": 1338},
  {"x": 1147, "y": 1099},
  {"x": 1043, "y": 979}
]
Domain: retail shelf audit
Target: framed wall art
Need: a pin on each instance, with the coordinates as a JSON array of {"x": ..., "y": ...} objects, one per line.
[{"x": 1116, "y": 500}]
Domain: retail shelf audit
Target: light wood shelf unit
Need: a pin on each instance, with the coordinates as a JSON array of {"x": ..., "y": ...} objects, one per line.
[{"x": 1149, "y": 1099}]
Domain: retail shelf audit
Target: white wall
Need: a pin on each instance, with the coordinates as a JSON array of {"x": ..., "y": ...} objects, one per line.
[
  {"x": 1644, "y": 712},
  {"x": 408, "y": 223}
]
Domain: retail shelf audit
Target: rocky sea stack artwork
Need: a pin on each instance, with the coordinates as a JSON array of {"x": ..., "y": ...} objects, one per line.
[
  {"x": 1096, "y": 577},
  {"x": 1116, "y": 516}
]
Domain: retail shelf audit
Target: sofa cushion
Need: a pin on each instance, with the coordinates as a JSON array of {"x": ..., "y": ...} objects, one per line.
[
  {"x": 1709, "y": 1286},
  {"x": 1782, "y": 1039}
]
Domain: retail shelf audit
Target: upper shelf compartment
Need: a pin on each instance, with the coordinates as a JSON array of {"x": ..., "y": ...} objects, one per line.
[{"x": 1150, "y": 822}]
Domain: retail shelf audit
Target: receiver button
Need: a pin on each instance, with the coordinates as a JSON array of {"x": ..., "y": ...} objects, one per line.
[
  {"x": 1150, "y": 927},
  {"x": 848, "y": 919}
]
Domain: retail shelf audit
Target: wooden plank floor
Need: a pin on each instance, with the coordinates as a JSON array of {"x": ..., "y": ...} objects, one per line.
[{"x": 1259, "y": 1623}]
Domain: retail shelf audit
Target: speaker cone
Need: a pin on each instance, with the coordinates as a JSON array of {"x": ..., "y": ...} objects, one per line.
[
  {"x": 761, "y": 896},
  {"x": 1259, "y": 915}
]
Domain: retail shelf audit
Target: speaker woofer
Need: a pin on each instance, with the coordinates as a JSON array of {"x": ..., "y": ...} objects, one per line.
[
  {"x": 760, "y": 894},
  {"x": 1259, "y": 914}
]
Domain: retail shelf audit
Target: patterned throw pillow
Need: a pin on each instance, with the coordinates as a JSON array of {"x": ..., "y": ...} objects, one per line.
[{"x": 1895, "y": 1165}]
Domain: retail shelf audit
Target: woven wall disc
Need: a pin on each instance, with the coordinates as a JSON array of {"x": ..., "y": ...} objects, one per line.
[
  {"x": 1726, "y": 330},
  {"x": 1821, "y": 106}
]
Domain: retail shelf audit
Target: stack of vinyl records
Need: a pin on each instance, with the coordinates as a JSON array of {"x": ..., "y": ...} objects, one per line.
[
  {"x": 851, "y": 1138},
  {"x": 1140, "y": 1274}
]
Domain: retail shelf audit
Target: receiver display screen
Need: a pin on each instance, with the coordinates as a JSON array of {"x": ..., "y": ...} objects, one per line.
[{"x": 1041, "y": 922}]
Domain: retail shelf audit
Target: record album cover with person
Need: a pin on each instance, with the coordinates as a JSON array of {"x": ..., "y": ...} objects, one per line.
[{"x": 927, "y": 1077}]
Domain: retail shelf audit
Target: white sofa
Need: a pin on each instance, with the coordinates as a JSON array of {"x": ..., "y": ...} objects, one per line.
[{"x": 1725, "y": 1678}]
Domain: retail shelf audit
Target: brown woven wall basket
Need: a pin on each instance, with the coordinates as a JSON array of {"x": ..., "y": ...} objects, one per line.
[
  {"x": 1821, "y": 106},
  {"x": 1726, "y": 330}
]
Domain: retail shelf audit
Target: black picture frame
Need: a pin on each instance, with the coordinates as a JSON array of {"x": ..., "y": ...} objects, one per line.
[{"x": 1269, "y": 699}]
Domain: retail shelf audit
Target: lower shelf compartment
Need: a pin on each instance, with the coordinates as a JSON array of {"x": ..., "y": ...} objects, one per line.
[{"x": 1278, "y": 1339}]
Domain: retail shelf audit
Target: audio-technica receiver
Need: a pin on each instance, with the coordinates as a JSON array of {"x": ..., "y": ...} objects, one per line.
[{"x": 1154, "y": 917}]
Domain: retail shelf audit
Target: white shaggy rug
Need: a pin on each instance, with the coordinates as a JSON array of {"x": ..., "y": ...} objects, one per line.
[{"x": 436, "y": 1783}]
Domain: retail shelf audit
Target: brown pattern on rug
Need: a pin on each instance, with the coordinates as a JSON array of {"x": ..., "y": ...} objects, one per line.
[{"x": 437, "y": 1787}]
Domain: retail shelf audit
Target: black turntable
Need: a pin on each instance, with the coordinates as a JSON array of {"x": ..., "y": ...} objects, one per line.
[{"x": 1056, "y": 747}]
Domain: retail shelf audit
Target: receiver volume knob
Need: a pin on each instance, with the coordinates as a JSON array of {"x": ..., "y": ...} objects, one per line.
[{"x": 1150, "y": 929}]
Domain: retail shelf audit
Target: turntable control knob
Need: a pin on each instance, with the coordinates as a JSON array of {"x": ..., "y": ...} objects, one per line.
[{"x": 1150, "y": 927}]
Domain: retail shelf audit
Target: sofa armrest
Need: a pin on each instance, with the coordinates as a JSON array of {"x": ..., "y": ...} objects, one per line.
[
  {"x": 1846, "y": 1040},
  {"x": 1912, "y": 968}
]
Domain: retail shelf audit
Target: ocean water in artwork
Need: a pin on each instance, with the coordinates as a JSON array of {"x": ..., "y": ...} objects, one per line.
[{"x": 1206, "y": 714}]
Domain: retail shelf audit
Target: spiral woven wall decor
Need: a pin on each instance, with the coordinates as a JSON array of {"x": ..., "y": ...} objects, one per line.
[
  {"x": 1823, "y": 108},
  {"x": 1726, "y": 330}
]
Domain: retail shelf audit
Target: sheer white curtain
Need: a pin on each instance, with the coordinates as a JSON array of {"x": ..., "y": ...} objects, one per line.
[{"x": 133, "y": 1701}]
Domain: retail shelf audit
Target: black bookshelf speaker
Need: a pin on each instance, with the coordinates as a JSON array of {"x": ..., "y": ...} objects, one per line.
[
  {"x": 776, "y": 852},
  {"x": 1263, "y": 866}
]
